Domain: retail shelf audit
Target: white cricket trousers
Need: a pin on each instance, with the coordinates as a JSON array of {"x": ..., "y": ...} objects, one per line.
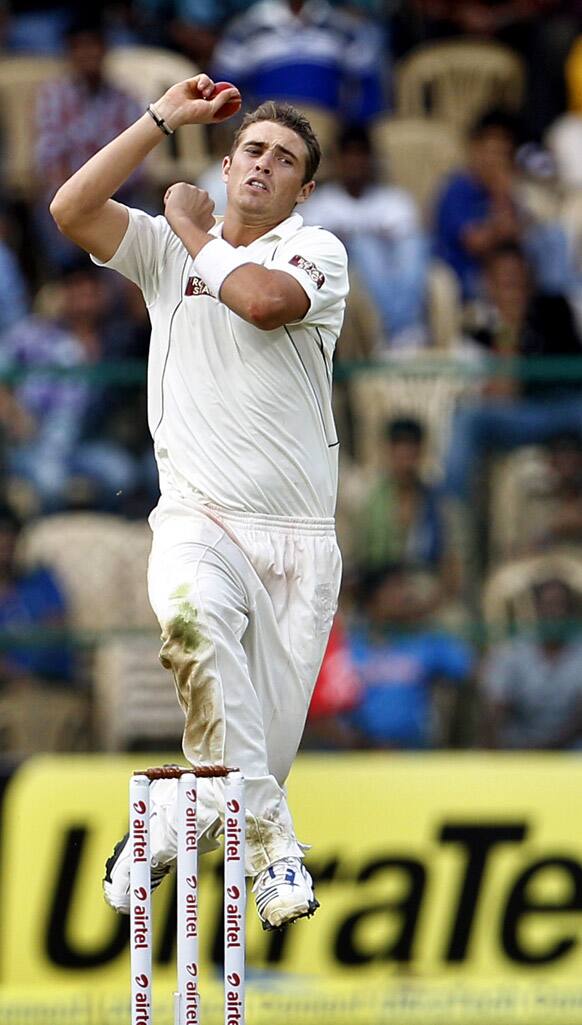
[{"x": 245, "y": 604}]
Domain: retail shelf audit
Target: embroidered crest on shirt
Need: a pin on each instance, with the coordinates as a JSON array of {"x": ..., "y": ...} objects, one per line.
[
  {"x": 196, "y": 286},
  {"x": 310, "y": 268}
]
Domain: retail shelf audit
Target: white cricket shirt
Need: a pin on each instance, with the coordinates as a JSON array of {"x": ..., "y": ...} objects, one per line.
[{"x": 241, "y": 418}]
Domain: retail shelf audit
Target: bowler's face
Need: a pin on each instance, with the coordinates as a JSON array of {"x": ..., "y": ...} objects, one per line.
[{"x": 264, "y": 175}]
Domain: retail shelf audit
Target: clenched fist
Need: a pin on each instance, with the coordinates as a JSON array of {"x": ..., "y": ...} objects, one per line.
[{"x": 186, "y": 203}]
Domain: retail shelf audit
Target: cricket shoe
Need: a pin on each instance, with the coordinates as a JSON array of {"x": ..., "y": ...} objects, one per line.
[
  {"x": 283, "y": 893},
  {"x": 163, "y": 848},
  {"x": 116, "y": 880}
]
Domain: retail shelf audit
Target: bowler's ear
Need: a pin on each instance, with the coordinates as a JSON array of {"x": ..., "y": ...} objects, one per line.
[
  {"x": 305, "y": 192},
  {"x": 225, "y": 168}
]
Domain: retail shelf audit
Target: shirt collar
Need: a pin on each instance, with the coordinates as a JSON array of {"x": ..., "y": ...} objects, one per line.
[{"x": 283, "y": 230}]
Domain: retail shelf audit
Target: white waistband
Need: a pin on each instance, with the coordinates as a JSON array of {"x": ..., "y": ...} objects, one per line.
[{"x": 278, "y": 524}]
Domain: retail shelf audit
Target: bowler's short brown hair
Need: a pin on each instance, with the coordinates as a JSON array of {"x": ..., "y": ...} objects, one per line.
[{"x": 290, "y": 117}]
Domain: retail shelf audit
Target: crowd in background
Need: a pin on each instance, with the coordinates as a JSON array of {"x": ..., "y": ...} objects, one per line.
[{"x": 439, "y": 505}]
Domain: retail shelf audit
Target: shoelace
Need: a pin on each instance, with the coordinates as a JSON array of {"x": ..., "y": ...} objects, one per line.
[{"x": 279, "y": 868}]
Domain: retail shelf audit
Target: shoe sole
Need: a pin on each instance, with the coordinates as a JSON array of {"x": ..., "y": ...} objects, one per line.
[{"x": 313, "y": 906}]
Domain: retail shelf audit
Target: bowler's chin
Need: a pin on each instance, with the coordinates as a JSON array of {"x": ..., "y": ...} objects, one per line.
[{"x": 253, "y": 204}]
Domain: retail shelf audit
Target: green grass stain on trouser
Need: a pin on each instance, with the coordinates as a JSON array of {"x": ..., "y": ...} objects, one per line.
[{"x": 188, "y": 651}]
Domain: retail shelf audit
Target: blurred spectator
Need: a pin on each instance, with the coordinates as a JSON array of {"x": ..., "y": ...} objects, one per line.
[
  {"x": 516, "y": 321},
  {"x": 564, "y": 517},
  {"x": 540, "y": 31},
  {"x": 39, "y": 26},
  {"x": 13, "y": 289},
  {"x": 42, "y": 707},
  {"x": 305, "y": 53},
  {"x": 379, "y": 225},
  {"x": 537, "y": 499},
  {"x": 56, "y": 420},
  {"x": 29, "y": 601},
  {"x": 191, "y": 26},
  {"x": 484, "y": 18},
  {"x": 553, "y": 515},
  {"x": 479, "y": 209},
  {"x": 532, "y": 685},
  {"x": 402, "y": 518},
  {"x": 337, "y": 691},
  {"x": 77, "y": 115},
  {"x": 410, "y": 674},
  {"x": 564, "y": 141}
]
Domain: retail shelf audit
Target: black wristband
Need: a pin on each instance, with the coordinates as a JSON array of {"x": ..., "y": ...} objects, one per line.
[{"x": 162, "y": 125}]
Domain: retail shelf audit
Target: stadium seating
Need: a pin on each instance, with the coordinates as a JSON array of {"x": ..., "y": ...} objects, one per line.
[
  {"x": 458, "y": 80},
  {"x": 508, "y": 592},
  {"x": 444, "y": 307},
  {"x": 142, "y": 71},
  {"x": 65, "y": 717},
  {"x": 416, "y": 154},
  {"x": 101, "y": 563},
  {"x": 519, "y": 482},
  {"x": 426, "y": 386},
  {"x": 135, "y": 703},
  {"x": 20, "y": 79}
]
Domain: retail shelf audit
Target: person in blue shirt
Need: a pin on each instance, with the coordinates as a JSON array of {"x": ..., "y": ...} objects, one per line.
[
  {"x": 31, "y": 603},
  {"x": 480, "y": 208},
  {"x": 410, "y": 673},
  {"x": 306, "y": 52}
]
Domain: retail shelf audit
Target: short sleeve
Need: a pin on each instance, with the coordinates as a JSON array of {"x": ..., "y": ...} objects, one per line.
[
  {"x": 319, "y": 262},
  {"x": 142, "y": 252}
]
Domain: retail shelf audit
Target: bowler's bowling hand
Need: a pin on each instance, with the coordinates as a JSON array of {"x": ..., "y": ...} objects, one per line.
[
  {"x": 196, "y": 101},
  {"x": 185, "y": 205}
]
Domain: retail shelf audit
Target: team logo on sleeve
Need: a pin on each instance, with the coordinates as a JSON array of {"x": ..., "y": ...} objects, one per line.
[
  {"x": 196, "y": 286},
  {"x": 314, "y": 272}
]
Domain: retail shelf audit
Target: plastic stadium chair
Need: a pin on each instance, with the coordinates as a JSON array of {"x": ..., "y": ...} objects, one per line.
[
  {"x": 86, "y": 552},
  {"x": 326, "y": 126},
  {"x": 44, "y": 718},
  {"x": 508, "y": 592},
  {"x": 143, "y": 72},
  {"x": 101, "y": 563},
  {"x": 417, "y": 154},
  {"x": 458, "y": 80},
  {"x": 444, "y": 307},
  {"x": 134, "y": 698},
  {"x": 426, "y": 386},
  {"x": 20, "y": 79},
  {"x": 520, "y": 500}
]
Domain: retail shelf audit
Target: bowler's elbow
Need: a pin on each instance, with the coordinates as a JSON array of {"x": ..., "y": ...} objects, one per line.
[
  {"x": 270, "y": 310},
  {"x": 59, "y": 213},
  {"x": 265, "y": 319}
]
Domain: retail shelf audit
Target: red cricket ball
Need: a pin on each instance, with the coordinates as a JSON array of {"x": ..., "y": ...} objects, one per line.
[{"x": 229, "y": 108}]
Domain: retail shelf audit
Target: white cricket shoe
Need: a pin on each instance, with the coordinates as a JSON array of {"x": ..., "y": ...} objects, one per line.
[
  {"x": 163, "y": 846},
  {"x": 116, "y": 880},
  {"x": 283, "y": 893}
]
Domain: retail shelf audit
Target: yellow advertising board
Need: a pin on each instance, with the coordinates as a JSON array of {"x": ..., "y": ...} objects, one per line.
[
  {"x": 462, "y": 868},
  {"x": 314, "y": 1002}
]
